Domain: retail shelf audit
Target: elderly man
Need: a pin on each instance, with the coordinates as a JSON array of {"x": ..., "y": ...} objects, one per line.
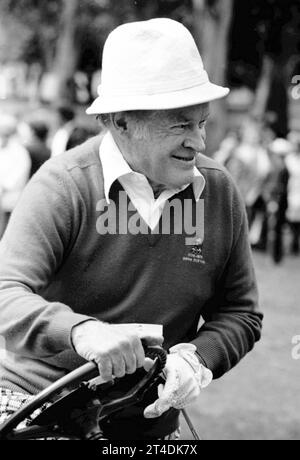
[{"x": 78, "y": 260}]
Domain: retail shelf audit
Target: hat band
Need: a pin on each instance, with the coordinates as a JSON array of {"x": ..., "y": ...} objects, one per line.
[{"x": 113, "y": 89}]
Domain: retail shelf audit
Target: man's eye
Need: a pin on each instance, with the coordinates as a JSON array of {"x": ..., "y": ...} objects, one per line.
[
  {"x": 202, "y": 124},
  {"x": 180, "y": 127}
]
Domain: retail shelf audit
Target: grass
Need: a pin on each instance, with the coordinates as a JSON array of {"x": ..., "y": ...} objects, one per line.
[{"x": 260, "y": 398}]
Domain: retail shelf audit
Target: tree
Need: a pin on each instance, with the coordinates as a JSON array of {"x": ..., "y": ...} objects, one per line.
[
  {"x": 267, "y": 31},
  {"x": 66, "y": 58},
  {"x": 52, "y": 32},
  {"x": 27, "y": 25},
  {"x": 271, "y": 103},
  {"x": 212, "y": 20},
  {"x": 258, "y": 39}
]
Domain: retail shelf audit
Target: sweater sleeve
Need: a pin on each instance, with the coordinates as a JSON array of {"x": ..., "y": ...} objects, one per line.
[
  {"x": 233, "y": 321},
  {"x": 35, "y": 242}
]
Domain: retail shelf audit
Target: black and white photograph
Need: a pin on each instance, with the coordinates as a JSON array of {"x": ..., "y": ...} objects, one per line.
[{"x": 149, "y": 222}]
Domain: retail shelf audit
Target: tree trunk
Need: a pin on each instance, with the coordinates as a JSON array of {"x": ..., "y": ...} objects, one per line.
[
  {"x": 278, "y": 104},
  {"x": 271, "y": 99},
  {"x": 212, "y": 20},
  {"x": 66, "y": 56},
  {"x": 263, "y": 89}
]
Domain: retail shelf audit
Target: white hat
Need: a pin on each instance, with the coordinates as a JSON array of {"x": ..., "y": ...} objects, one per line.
[{"x": 152, "y": 65}]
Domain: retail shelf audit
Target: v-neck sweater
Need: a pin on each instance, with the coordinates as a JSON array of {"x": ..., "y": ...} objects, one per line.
[{"x": 57, "y": 270}]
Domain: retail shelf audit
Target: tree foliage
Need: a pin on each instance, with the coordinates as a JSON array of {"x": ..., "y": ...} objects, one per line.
[
  {"x": 262, "y": 28},
  {"x": 33, "y": 27},
  {"x": 40, "y": 31},
  {"x": 30, "y": 27}
]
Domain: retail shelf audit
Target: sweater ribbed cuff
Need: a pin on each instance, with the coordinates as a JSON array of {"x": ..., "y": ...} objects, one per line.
[
  {"x": 60, "y": 329},
  {"x": 210, "y": 353}
]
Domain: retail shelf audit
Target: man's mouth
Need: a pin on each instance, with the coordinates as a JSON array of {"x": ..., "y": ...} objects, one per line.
[{"x": 182, "y": 158}]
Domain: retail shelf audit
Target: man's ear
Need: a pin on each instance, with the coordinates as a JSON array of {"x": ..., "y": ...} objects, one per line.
[{"x": 119, "y": 122}]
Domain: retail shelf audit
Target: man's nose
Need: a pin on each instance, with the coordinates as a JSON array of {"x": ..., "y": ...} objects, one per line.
[{"x": 195, "y": 140}]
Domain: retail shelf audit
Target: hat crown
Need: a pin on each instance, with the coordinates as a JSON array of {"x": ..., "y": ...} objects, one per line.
[
  {"x": 152, "y": 65},
  {"x": 150, "y": 57}
]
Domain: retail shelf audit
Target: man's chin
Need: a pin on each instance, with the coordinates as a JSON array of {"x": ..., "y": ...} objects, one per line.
[
  {"x": 183, "y": 181},
  {"x": 174, "y": 182}
]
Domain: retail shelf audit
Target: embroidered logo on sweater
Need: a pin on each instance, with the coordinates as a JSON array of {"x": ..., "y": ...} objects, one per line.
[{"x": 195, "y": 253}]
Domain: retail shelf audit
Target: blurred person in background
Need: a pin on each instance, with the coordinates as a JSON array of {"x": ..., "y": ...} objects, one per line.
[
  {"x": 79, "y": 135},
  {"x": 35, "y": 142},
  {"x": 66, "y": 123},
  {"x": 15, "y": 165},
  {"x": 293, "y": 211},
  {"x": 227, "y": 149},
  {"x": 275, "y": 195},
  {"x": 267, "y": 135},
  {"x": 250, "y": 167}
]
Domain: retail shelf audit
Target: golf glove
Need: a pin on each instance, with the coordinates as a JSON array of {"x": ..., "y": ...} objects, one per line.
[{"x": 185, "y": 378}]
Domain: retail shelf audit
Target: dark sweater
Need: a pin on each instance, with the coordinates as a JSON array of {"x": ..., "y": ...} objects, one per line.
[{"x": 56, "y": 271}]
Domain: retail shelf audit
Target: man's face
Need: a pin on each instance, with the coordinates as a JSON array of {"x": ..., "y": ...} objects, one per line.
[{"x": 166, "y": 153}]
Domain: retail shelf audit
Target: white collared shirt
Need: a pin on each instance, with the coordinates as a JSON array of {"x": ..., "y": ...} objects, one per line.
[{"x": 136, "y": 184}]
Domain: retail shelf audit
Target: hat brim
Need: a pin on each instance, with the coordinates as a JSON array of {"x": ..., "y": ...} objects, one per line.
[{"x": 184, "y": 98}]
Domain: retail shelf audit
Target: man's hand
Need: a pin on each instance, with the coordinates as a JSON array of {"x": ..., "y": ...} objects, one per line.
[
  {"x": 185, "y": 377},
  {"x": 116, "y": 349}
]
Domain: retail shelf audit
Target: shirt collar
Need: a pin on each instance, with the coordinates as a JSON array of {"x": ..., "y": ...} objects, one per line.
[
  {"x": 115, "y": 166},
  {"x": 198, "y": 184},
  {"x": 113, "y": 163}
]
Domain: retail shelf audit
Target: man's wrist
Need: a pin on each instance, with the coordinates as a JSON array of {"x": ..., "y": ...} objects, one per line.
[
  {"x": 78, "y": 329},
  {"x": 201, "y": 360},
  {"x": 188, "y": 352}
]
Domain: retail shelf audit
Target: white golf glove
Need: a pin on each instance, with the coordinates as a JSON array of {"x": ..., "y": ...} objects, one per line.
[{"x": 185, "y": 378}]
